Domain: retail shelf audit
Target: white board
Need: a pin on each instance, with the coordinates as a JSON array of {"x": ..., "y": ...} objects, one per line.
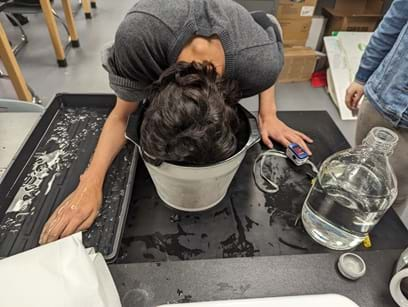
[
  {"x": 344, "y": 54},
  {"x": 353, "y": 45},
  {"x": 340, "y": 76}
]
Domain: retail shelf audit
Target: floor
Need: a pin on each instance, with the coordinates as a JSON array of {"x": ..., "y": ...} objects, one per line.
[{"x": 85, "y": 74}]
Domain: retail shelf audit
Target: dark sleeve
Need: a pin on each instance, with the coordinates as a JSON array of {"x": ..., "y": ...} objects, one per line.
[
  {"x": 138, "y": 55},
  {"x": 261, "y": 65}
]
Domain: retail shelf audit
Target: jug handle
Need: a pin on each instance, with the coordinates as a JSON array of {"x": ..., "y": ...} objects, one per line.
[{"x": 395, "y": 288}]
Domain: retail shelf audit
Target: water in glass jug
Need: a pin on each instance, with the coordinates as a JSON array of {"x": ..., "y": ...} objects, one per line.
[{"x": 353, "y": 190}]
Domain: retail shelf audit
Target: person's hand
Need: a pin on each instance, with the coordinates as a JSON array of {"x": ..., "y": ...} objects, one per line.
[
  {"x": 271, "y": 127},
  {"x": 353, "y": 95},
  {"x": 76, "y": 213}
]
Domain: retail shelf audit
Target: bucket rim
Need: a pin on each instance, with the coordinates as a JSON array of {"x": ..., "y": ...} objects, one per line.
[{"x": 254, "y": 137}]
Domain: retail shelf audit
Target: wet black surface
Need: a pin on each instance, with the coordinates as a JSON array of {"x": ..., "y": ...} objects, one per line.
[
  {"x": 56, "y": 154},
  {"x": 154, "y": 284},
  {"x": 247, "y": 222}
]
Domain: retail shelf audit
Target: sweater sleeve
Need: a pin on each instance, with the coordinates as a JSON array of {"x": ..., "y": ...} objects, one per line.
[
  {"x": 137, "y": 57},
  {"x": 383, "y": 39}
]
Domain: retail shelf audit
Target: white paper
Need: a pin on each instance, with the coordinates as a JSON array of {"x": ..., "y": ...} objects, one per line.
[
  {"x": 59, "y": 274},
  {"x": 344, "y": 53},
  {"x": 340, "y": 76},
  {"x": 307, "y": 10}
]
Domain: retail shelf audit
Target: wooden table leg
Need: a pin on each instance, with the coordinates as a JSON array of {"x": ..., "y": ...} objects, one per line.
[
  {"x": 93, "y": 4},
  {"x": 53, "y": 30},
  {"x": 66, "y": 4},
  {"x": 86, "y": 5},
  {"x": 12, "y": 68}
]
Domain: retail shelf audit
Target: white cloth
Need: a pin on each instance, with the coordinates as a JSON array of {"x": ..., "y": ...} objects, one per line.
[{"x": 59, "y": 274}]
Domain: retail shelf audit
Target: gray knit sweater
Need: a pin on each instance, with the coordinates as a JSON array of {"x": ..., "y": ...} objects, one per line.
[{"x": 153, "y": 33}]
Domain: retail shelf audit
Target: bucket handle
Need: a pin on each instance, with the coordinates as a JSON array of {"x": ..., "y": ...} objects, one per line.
[
  {"x": 254, "y": 136},
  {"x": 131, "y": 133},
  {"x": 134, "y": 122}
]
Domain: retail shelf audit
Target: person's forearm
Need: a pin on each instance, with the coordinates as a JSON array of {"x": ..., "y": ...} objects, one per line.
[
  {"x": 271, "y": 128},
  {"x": 383, "y": 39},
  {"x": 267, "y": 104},
  {"x": 110, "y": 142}
]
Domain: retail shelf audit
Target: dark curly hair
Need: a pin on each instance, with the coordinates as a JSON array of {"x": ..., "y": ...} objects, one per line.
[{"x": 191, "y": 118}]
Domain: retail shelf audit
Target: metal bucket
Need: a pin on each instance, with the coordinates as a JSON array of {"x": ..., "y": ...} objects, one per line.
[{"x": 194, "y": 188}]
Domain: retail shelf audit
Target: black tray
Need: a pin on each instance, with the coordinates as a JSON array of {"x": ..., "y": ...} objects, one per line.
[{"x": 67, "y": 133}]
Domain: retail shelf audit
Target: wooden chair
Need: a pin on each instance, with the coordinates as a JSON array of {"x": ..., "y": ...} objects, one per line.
[
  {"x": 10, "y": 63},
  {"x": 86, "y": 6},
  {"x": 44, "y": 6}
]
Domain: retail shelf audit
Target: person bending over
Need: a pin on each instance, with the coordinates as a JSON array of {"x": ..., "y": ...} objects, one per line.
[{"x": 194, "y": 59}]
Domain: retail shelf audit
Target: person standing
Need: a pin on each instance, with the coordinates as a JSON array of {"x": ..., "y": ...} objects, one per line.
[{"x": 383, "y": 78}]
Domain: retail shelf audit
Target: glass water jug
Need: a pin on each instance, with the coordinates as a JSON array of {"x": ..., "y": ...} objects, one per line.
[{"x": 353, "y": 190}]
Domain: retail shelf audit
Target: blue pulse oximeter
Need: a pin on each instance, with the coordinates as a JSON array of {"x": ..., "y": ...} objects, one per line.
[{"x": 297, "y": 154}]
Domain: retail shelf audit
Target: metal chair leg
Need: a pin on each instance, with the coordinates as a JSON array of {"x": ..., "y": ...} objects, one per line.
[
  {"x": 23, "y": 37},
  {"x": 36, "y": 98},
  {"x": 62, "y": 22},
  {"x": 69, "y": 44}
]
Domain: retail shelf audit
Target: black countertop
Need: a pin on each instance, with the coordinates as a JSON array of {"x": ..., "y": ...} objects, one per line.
[
  {"x": 168, "y": 256},
  {"x": 152, "y": 284}
]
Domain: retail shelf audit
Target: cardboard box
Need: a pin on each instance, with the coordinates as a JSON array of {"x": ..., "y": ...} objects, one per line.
[
  {"x": 350, "y": 5},
  {"x": 299, "y": 65},
  {"x": 375, "y": 7},
  {"x": 292, "y": 9},
  {"x": 295, "y": 30},
  {"x": 346, "y": 21},
  {"x": 360, "y": 6}
]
